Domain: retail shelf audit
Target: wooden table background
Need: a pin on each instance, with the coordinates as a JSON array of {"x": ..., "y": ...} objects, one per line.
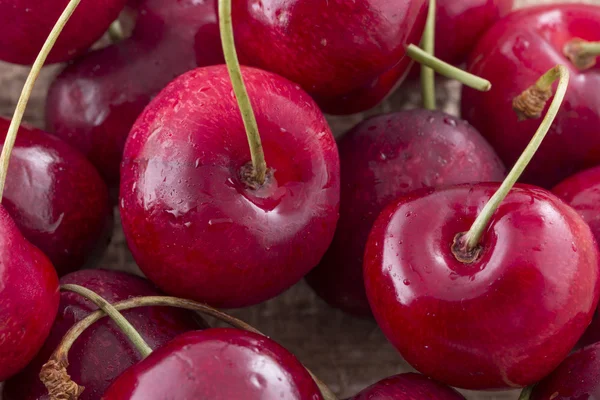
[{"x": 347, "y": 353}]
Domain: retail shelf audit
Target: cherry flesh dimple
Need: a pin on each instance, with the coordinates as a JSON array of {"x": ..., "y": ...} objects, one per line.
[
  {"x": 512, "y": 55},
  {"x": 381, "y": 159},
  {"x": 347, "y": 64},
  {"x": 193, "y": 224},
  {"x": 506, "y": 320},
  {"x": 26, "y": 25},
  {"x": 57, "y": 199},
  {"x": 102, "y": 352},
  {"x": 29, "y": 293},
  {"x": 217, "y": 364},
  {"x": 408, "y": 387},
  {"x": 95, "y": 101}
]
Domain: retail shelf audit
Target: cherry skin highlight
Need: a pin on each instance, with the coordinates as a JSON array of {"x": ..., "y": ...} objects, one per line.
[
  {"x": 102, "y": 352},
  {"x": 505, "y": 320},
  {"x": 95, "y": 101},
  {"x": 408, "y": 387},
  {"x": 194, "y": 224},
  {"x": 216, "y": 364},
  {"x": 381, "y": 159},
  {"x": 29, "y": 293},
  {"x": 57, "y": 199},
  {"x": 351, "y": 57},
  {"x": 513, "y": 55},
  {"x": 26, "y": 25}
]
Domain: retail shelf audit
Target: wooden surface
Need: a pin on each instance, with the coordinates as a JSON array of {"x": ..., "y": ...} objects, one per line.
[{"x": 347, "y": 353}]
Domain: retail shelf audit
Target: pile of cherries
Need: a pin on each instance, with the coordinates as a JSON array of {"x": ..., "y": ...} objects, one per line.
[{"x": 231, "y": 188}]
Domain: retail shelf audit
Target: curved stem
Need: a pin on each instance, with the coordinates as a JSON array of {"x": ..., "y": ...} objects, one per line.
[
  {"x": 115, "y": 31},
  {"x": 428, "y": 74},
  {"x": 473, "y": 236},
  {"x": 526, "y": 393},
  {"x": 60, "y": 355},
  {"x": 583, "y": 54},
  {"x": 11, "y": 136},
  {"x": 257, "y": 154},
  {"x": 448, "y": 70}
]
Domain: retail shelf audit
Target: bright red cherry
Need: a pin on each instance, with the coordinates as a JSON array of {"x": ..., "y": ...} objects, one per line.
[
  {"x": 408, "y": 387},
  {"x": 350, "y": 58},
  {"x": 216, "y": 364},
  {"x": 102, "y": 352},
  {"x": 94, "y": 102},
  {"x": 196, "y": 225},
  {"x": 26, "y": 25},
  {"x": 512, "y": 55},
  {"x": 385, "y": 157}
]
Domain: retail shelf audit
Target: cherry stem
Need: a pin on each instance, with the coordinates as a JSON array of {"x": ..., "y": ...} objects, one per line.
[
  {"x": 583, "y": 54},
  {"x": 13, "y": 129},
  {"x": 60, "y": 356},
  {"x": 115, "y": 31},
  {"x": 473, "y": 236},
  {"x": 428, "y": 74},
  {"x": 237, "y": 81},
  {"x": 447, "y": 70},
  {"x": 526, "y": 393}
]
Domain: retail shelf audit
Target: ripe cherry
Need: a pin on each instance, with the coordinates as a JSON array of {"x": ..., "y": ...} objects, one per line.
[{"x": 408, "y": 387}]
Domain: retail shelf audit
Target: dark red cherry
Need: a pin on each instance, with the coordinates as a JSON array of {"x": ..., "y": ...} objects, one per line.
[
  {"x": 102, "y": 352},
  {"x": 216, "y": 364},
  {"x": 385, "y": 157},
  {"x": 57, "y": 199},
  {"x": 515, "y": 53},
  {"x": 94, "y": 102},
  {"x": 408, "y": 387},
  {"x": 506, "y": 319},
  {"x": 26, "y": 25}
]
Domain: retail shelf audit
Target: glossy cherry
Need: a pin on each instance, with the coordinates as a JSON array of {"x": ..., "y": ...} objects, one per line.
[
  {"x": 385, "y": 157},
  {"x": 350, "y": 58},
  {"x": 216, "y": 364},
  {"x": 194, "y": 224},
  {"x": 29, "y": 295},
  {"x": 408, "y": 387},
  {"x": 102, "y": 352},
  {"x": 512, "y": 55},
  {"x": 94, "y": 102},
  {"x": 505, "y": 320},
  {"x": 26, "y": 25}
]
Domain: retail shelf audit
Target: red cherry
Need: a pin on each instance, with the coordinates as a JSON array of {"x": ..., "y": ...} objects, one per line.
[
  {"x": 26, "y": 24},
  {"x": 408, "y": 387},
  {"x": 29, "y": 293},
  {"x": 216, "y": 364},
  {"x": 94, "y": 102},
  {"x": 385, "y": 157},
  {"x": 515, "y": 52}
]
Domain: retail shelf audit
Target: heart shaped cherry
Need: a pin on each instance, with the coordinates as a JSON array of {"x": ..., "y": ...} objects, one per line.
[
  {"x": 382, "y": 158},
  {"x": 513, "y": 53},
  {"x": 408, "y": 387},
  {"x": 94, "y": 102}
]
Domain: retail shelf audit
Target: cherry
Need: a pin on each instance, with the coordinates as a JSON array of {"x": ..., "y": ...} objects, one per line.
[
  {"x": 103, "y": 352},
  {"x": 408, "y": 387},
  {"x": 26, "y": 24},
  {"x": 216, "y": 364},
  {"x": 513, "y": 53},
  {"x": 382, "y": 158},
  {"x": 94, "y": 102},
  {"x": 57, "y": 199}
]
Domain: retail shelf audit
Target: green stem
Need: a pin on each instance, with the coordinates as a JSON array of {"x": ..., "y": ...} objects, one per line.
[
  {"x": 115, "y": 31},
  {"x": 583, "y": 54},
  {"x": 526, "y": 393},
  {"x": 448, "y": 70},
  {"x": 473, "y": 236},
  {"x": 13, "y": 129},
  {"x": 124, "y": 325},
  {"x": 233, "y": 66},
  {"x": 428, "y": 74}
]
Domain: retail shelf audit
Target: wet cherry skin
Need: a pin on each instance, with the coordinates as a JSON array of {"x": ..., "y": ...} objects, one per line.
[
  {"x": 102, "y": 352},
  {"x": 513, "y": 54},
  {"x": 94, "y": 102},
  {"x": 408, "y": 386},
  {"x": 216, "y": 364},
  {"x": 194, "y": 226},
  {"x": 26, "y": 24},
  {"x": 382, "y": 158},
  {"x": 29, "y": 298},
  {"x": 351, "y": 57},
  {"x": 57, "y": 199},
  {"x": 505, "y": 320}
]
